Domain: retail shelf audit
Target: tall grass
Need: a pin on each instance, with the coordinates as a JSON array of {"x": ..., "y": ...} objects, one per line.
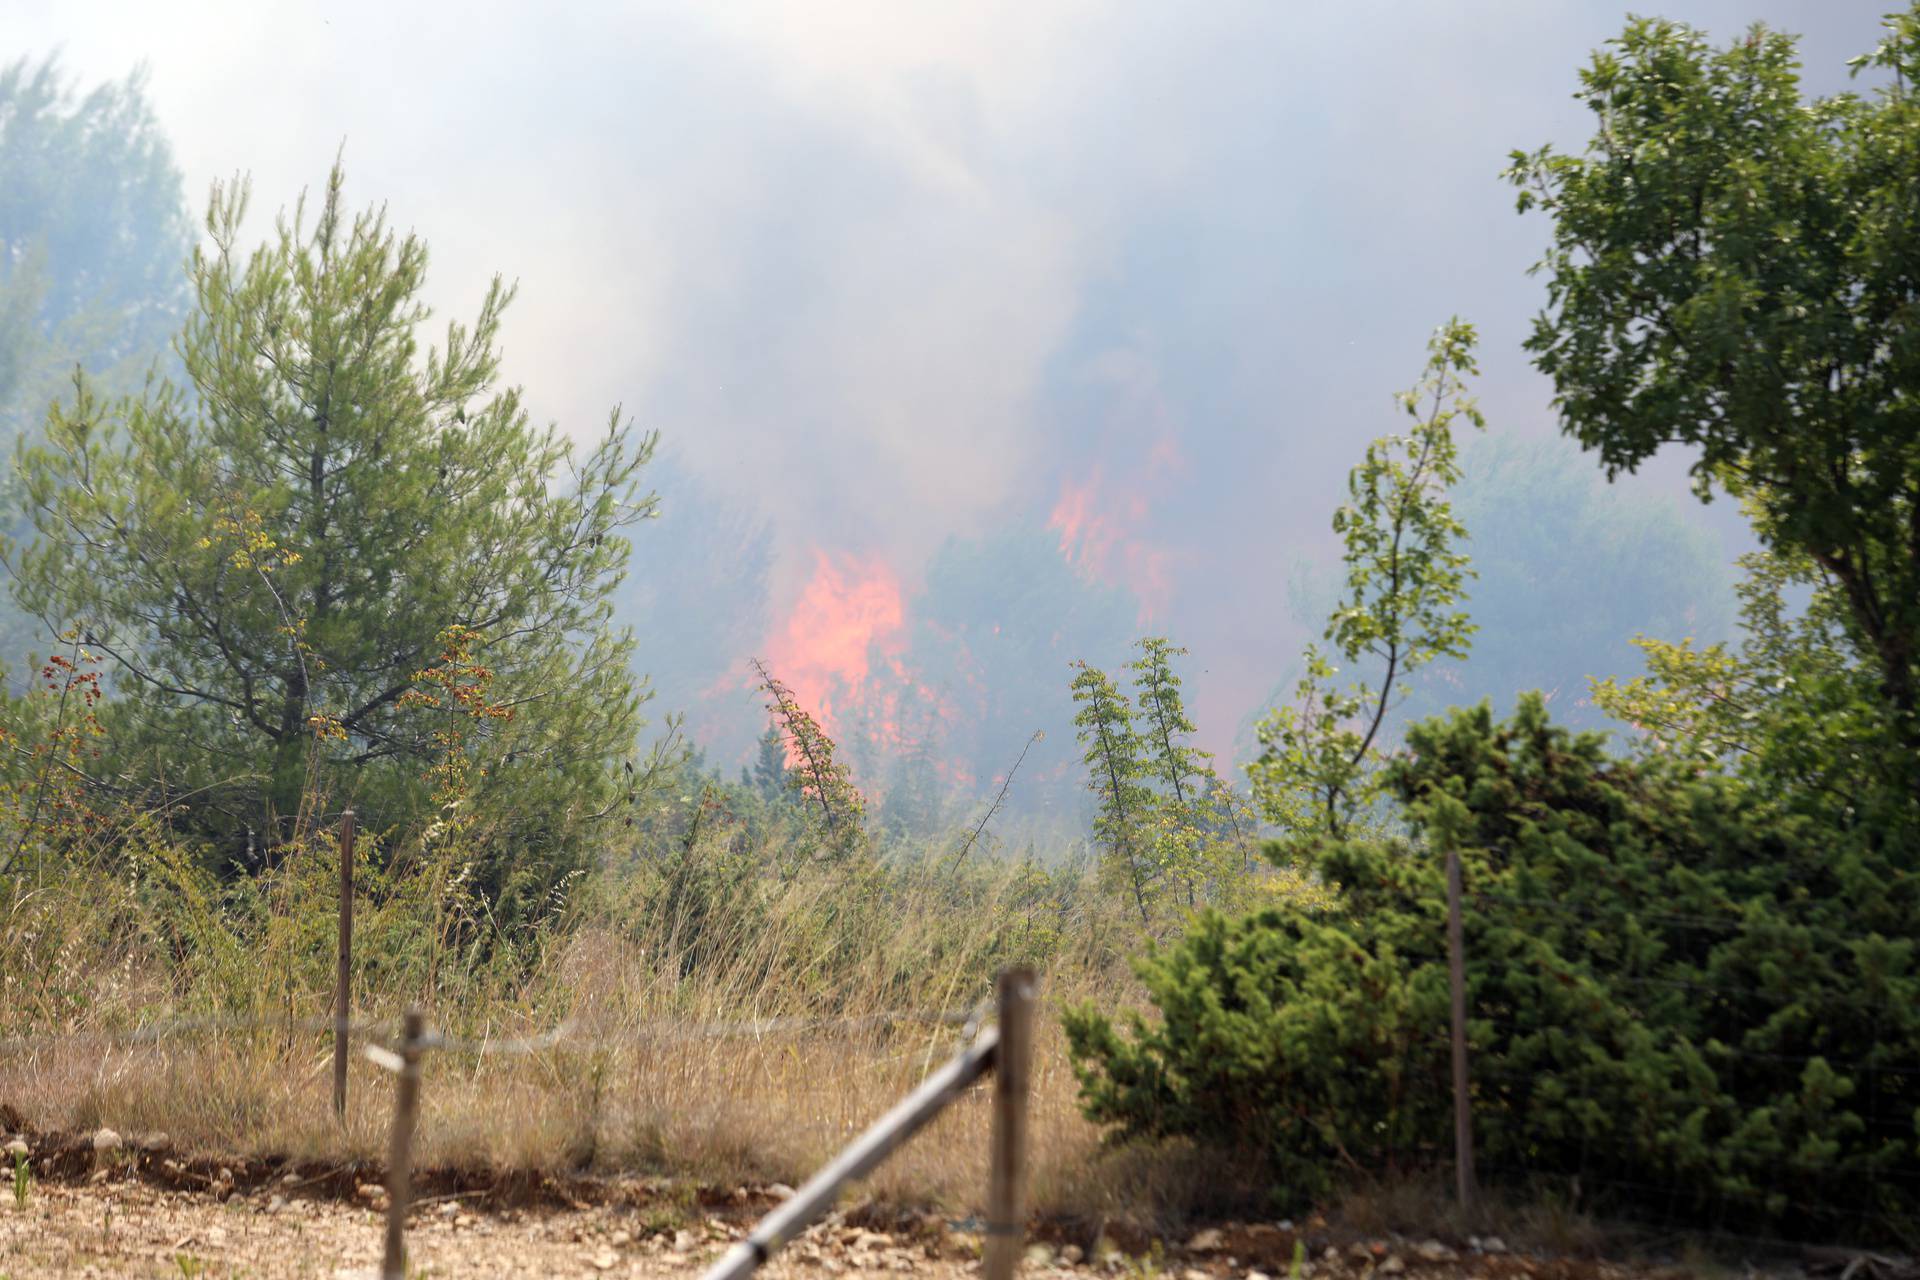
[{"x": 659, "y": 965}]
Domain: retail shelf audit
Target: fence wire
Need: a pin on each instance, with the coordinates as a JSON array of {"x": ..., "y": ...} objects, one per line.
[{"x": 573, "y": 1033}]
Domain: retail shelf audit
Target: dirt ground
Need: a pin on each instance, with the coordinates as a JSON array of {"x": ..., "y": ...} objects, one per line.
[
  {"x": 128, "y": 1226},
  {"x": 140, "y": 1210}
]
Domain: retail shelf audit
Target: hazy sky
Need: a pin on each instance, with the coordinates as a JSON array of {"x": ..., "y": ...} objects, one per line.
[{"x": 896, "y": 271}]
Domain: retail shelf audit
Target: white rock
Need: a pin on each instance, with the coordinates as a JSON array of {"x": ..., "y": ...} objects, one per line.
[
  {"x": 1434, "y": 1251},
  {"x": 17, "y": 1148},
  {"x": 1493, "y": 1244},
  {"x": 1207, "y": 1241},
  {"x": 106, "y": 1140},
  {"x": 1393, "y": 1266}
]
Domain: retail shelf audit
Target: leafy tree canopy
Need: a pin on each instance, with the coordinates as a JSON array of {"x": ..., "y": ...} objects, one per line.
[
  {"x": 1732, "y": 268},
  {"x": 1402, "y": 607}
]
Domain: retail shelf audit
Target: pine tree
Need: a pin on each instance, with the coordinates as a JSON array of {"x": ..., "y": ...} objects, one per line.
[
  {"x": 1114, "y": 773},
  {"x": 769, "y": 775},
  {"x": 914, "y": 801},
  {"x": 1166, "y": 726},
  {"x": 268, "y": 555},
  {"x": 1180, "y": 813}
]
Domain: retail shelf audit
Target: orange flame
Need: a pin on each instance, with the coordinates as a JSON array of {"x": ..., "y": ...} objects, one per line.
[
  {"x": 1097, "y": 526},
  {"x": 850, "y": 609}
]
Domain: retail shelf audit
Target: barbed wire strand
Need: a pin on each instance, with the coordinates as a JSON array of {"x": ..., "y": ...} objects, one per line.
[{"x": 569, "y": 1033}]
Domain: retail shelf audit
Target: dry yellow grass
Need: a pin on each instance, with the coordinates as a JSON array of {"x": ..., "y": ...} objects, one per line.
[
  {"x": 644, "y": 1082},
  {"x": 659, "y": 946},
  {"x": 722, "y": 1110}
]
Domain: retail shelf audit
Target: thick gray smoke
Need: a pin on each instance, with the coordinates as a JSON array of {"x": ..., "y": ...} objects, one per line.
[{"x": 998, "y": 295}]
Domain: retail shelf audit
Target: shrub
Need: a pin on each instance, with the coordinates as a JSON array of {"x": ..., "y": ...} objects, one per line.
[{"x": 1677, "y": 995}]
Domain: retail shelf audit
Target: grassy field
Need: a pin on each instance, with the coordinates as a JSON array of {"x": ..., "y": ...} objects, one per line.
[{"x": 737, "y": 1034}]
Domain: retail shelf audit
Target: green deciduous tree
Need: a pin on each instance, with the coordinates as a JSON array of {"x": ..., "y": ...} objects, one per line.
[
  {"x": 269, "y": 554},
  {"x": 1793, "y": 709},
  {"x": 1732, "y": 268},
  {"x": 1401, "y": 609}
]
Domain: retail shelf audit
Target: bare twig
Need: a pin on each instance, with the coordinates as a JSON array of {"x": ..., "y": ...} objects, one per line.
[{"x": 967, "y": 846}]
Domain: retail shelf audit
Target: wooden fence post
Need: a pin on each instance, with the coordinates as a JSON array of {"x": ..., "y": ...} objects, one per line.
[
  {"x": 343, "y": 978},
  {"x": 406, "y": 1110},
  {"x": 1457, "y": 976},
  {"x": 1006, "y": 1198}
]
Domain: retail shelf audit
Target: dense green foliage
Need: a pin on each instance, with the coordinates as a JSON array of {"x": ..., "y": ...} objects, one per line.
[
  {"x": 1677, "y": 994},
  {"x": 1691, "y": 967},
  {"x": 1732, "y": 268}
]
